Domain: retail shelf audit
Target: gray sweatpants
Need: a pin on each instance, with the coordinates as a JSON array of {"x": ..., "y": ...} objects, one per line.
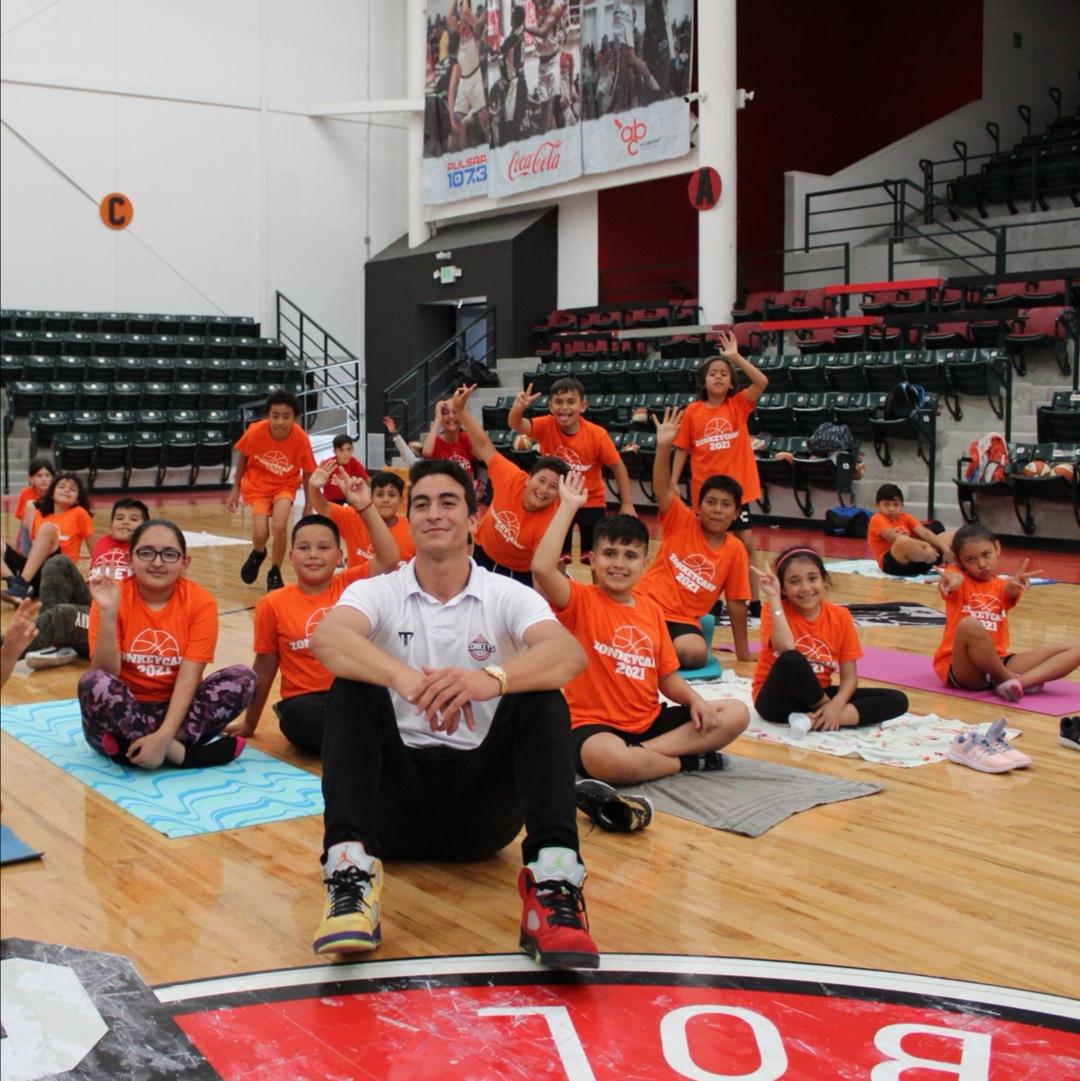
[{"x": 65, "y": 607}]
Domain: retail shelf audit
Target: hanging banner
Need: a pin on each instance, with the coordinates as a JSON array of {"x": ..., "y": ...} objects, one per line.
[
  {"x": 636, "y": 65},
  {"x": 457, "y": 122}
]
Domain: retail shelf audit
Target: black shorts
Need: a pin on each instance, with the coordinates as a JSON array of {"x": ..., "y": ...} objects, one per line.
[
  {"x": 667, "y": 720},
  {"x": 482, "y": 559},
  {"x": 953, "y": 682},
  {"x": 676, "y": 630},
  {"x": 891, "y": 565},
  {"x": 742, "y": 520}
]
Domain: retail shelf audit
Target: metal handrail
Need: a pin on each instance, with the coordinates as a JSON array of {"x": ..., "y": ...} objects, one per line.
[
  {"x": 409, "y": 399},
  {"x": 741, "y": 276}
]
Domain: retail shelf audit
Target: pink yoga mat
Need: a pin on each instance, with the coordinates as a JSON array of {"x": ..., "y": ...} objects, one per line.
[{"x": 1057, "y": 699}]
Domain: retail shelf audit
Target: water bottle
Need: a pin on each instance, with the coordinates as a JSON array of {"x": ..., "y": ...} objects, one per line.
[{"x": 800, "y": 724}]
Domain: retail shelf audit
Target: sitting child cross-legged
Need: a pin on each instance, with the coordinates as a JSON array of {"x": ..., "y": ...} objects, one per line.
[
  {"x": 804, "y": 640},
  {"x": 621, "y": 732},
  {"x": 144, "y": 699}
]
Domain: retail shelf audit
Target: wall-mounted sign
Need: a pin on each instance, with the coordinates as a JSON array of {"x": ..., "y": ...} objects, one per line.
[
  {"x": 704, "y": 188},
  {"x": 116, "y": 210}
]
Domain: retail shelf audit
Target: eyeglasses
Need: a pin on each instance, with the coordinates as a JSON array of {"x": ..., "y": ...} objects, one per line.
[{"x": 148, "y": 555}]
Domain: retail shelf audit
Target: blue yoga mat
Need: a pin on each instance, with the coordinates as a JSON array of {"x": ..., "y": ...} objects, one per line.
[
  {"x": 12, "y": 850},
  {"x": 252, "y": 790}
]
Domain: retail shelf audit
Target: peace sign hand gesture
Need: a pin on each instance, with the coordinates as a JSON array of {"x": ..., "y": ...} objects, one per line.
[
  {"x": 526, "y": 397},
  {"x": 1021, "y": 580}
]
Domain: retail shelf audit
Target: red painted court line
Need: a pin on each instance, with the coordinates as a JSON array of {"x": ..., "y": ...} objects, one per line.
[{"x": 873, "y": 287}]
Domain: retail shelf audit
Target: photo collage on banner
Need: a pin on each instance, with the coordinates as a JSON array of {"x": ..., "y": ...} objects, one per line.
[
  {"x": 522, "y": 94},
  {"x": 636, "y": 64}
]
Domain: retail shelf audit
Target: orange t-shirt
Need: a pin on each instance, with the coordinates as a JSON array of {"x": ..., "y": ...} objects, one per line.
[
  {"x": 589, "y": 448},
  {"x": 154, "y": 644},
  {"x": 988, "y": 603},
  {"x": 509, "y": 533},
  {"x": 359, "y": 551},
  {"x": 273, "y": 465},
  {"x": 284, "y": 623},
  {"x": 629, "y": 651},
  {"x": 25, "y": 496},
  {"x": 905, "y": 524},
  {"x": 74, "y": 524},
  {"x": 718, "y": 442},
  {"x": 687, "y": 575},
  {"x": 824, "y": 642}
]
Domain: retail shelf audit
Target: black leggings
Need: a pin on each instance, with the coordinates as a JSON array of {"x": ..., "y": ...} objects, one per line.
[
  {"x": 444, "y": 803},
  {"x": 302, "y": 719},
  {"x": 792, "y": 687}
]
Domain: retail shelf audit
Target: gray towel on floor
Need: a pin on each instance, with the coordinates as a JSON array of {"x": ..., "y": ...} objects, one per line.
[{"x": 749, "y": 796}]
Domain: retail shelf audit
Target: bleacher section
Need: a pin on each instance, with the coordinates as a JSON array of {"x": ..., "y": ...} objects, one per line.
[{"x": 121, "y": 393}]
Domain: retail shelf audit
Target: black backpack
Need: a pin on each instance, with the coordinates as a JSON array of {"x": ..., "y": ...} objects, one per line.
[
  {"x": 847, "y": 522},
  {"x": 903, "y": 400},
  {"x": 469, "y": 371},
  {"x": 830, "y": 438}
]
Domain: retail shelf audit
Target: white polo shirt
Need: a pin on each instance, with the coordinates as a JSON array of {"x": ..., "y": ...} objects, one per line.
[{"x": 484, "y": 624}]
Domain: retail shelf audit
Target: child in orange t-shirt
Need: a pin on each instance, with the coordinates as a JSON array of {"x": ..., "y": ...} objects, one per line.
[
  {"x": 286, "y": 619},
  {"x": 621, "y": 732},
  {"x": 697, "y": 559},
  {"x": 901, "y": 544},
  {"x": 274, "y": 455},
  {"x": 522, "y": 504},
  {"x": 384, "y": 492},
  {"x": 40, "y": 474},
  {"x": 62, "y": 524},
  {"x": 714, "y": 436},
  {"x": 585, "y": 447},
  {"x": 804, "y": 640},
  {"x": 974, "y": 651},
  {"x": 144, "y": 699}
]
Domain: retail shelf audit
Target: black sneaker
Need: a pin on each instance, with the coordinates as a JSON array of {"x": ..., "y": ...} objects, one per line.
[
  {"x": 1070, "y": 732},
  {"x": 250, "y": 570},
  {"x": 696, "y": 763},
  {"x": 611, "y": 811},
  {"x": 17, "y": 589},
  {"x": 274, "y": 579}
]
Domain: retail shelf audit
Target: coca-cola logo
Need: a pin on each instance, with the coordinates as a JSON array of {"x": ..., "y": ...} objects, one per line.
[
  {"x": 544, "y": 159},
  {"x": 631, "y": 132}
]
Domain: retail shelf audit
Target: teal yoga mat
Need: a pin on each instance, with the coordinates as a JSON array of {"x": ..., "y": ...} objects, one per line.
[{"x": 251, "y": 790}]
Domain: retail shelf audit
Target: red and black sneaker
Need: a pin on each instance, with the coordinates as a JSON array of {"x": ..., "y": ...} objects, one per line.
[{"x": 554, "y": 925}]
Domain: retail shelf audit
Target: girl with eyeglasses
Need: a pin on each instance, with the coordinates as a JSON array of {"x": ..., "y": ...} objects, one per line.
[{"x": 144, "y": 700}]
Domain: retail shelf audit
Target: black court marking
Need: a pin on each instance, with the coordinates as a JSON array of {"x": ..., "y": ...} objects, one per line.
[{"x": 234, "y": 611}]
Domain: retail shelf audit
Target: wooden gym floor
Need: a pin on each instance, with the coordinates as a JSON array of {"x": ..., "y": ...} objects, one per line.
[{"x": 948, "y": 872}]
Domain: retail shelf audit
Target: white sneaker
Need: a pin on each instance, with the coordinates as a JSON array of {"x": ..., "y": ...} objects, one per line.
[{"x": 52, "y": 657}]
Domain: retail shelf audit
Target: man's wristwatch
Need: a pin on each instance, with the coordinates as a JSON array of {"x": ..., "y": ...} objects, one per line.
[{"x": 497, "y": 673}]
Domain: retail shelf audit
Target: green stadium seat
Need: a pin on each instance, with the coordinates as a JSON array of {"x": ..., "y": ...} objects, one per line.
[
  {"x": 125, "y": 395},
  {"x": 49, "y": 343},
  {"x": 12, "y": 368},
  {"x": 123, "y": 420},
  {"x": 73, "y": 451},
  {"x": 807, "y": 372},
  {"x": 215, "y": 448},
  {"x": 843, "y": 372},
  {"x": 94, "y": 395},
  {"x": 157, "y": 396},
  {"x": 101, "y": 369},
  {"x": 24, "y": 396},
  {"x": 107, "y": 345},
  {"x": 145, "y": 452},
  {"x": 111, "y": 452},
  {"x": 161, "y": 369},
  {"x": 1059, "y": 422},
  {"x": 19, "y": 342},
  {"x": 131, "y": 369},
  {"x": 140, "y": 323},
  {"x": 167, "y": 324},
  {"x": 87, "y": 420},
  {"x": 61, "y": 395},
  {"x": 71, "y": 368},
  {"x": 44, "y": 424},
  {"x": 40, "y": 368}
]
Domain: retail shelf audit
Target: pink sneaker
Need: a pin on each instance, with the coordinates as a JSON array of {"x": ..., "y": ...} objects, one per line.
[
  {"x": 995, "y": 736},
  {"x": 1011, "y": 690},
  {"x": 973, "y": 749}
]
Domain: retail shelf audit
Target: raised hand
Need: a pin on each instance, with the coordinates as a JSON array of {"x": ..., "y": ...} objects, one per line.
[
  {"x": 460, "y": 401},
  {"x": 668, "y": 428},
  {"x": 321, "y": 477},
  {"x": 768, "y": 585},
  {"x": 22, "y": 629},
  {"x": 572, "y": 491},
  {"x": 356, "y": 490},
  {"x": 948, "y": 581},
  {"x": 729, "y": 346},
  {"x": 104, "y": 589},
  {"x": 526, "y": 397},
  {"x": 1022, "y": 578},
  {"x": 389, "y": 425}
]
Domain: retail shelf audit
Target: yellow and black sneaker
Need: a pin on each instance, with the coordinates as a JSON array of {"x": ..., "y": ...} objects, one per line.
[
  {"x": 350, "y": 922},
  {"x": 609, "y": 809}
]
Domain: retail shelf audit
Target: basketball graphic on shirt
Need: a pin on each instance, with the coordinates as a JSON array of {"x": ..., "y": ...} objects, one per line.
[
  {"x": 508, "y": 525},
  {"x": 118, "y": 559},
  {"x": 717, "y": 427},
  {"x": 816, "y": 652},
  {"x": 700, "y": 565},
  {"x": 156, "y": 643},
  {"x": 314, "y": 619},
  {"x": 632, "y": 640},
  {"x": 276, "y": 462},
  {"x": 460, "y": 459},
  {"x": 572, "y": 459},
  {"x": 983, "y": 603}
]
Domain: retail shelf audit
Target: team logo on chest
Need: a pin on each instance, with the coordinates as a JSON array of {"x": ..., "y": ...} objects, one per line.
[
  {"x": 309, "y": 628},
  {"x": 631, "y": 650},
  {"x": 276, "y": 462},
  {"x": 817, "y": 653},
  {"x": 694, "y": 572},
  {"x": 154, "y": 652},
  {"x": 717, "y": 434},
  {"x": 986, "y": 608},
  {"x": 507, "y": 525},
  {"x": 572, "y": 459},
  {"x": 480, "y": 649}
]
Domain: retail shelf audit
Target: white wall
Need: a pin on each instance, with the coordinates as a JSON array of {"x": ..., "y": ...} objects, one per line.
[
  {"x": 579, "y": 251},
  {"x": 191, "y": 109},
  {"x": 1050, "y": 30}
]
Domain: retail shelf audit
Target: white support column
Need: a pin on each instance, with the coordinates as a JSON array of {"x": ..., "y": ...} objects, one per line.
[
  {"x": 415, "y": 23},
  {"x": 579, "y": 254},
  {"x": 716, "y": 147}
]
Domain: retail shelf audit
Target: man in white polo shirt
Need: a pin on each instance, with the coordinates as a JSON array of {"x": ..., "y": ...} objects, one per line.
[{"x": 446, "y": 730}]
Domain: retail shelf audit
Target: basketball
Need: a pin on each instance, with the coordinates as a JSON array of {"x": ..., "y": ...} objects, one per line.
[
  {"x": 522, "y": 442},
  {"x": 1065, "y": 470},
  {"x": 1036, "y": 468},
  {"x": 991, "y": 473}
]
